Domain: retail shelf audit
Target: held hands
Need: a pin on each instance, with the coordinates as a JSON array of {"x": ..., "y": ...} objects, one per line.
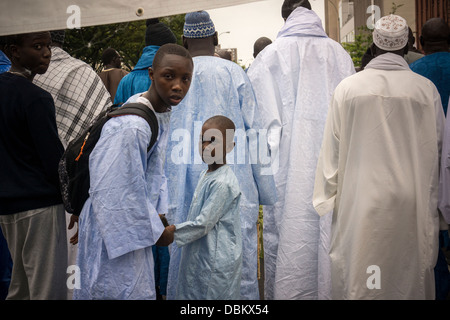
[{"x": 167, "y": 236}]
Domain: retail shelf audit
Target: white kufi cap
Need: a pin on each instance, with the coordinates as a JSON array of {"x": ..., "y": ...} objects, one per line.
[{"x": 391, "y": 33}]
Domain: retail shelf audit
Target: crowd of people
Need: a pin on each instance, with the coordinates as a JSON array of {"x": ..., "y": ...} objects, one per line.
[{"x": 350, "y": 166}]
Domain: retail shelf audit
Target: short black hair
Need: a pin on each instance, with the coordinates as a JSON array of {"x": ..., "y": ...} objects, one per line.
[
  {"x": 436, "y": 30},
  {"x": 170, "y": 48},
  {"x": 15, "y": 39},
  {"x": 18, "y": 39},
  {"x": 222, "y": 122},
  {"x": 260, "y": 44},
  {"x": 290, "y": 5},
  {"x": 108, "y": 55}
]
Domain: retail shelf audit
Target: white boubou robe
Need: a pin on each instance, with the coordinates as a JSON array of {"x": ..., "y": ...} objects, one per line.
[
  {"x": 379, "y": 171},
  {"x": 293, "y": 79}
]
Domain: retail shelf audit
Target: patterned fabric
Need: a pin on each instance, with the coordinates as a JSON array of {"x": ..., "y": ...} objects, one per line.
[
  {"x": 78, "y": 92},
  {"x": 391, "y": 33},
  {"x": 58, "y": 35},
  {"x": 198, "y": 25}
]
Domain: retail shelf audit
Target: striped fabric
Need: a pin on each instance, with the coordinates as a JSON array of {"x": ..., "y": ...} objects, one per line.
[{"x": 78, "y": 92}]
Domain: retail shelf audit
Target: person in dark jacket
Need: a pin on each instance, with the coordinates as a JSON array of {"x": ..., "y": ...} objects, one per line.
[{"x": 31, "y": 212}]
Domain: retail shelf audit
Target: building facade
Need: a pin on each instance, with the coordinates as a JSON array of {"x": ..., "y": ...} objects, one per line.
[{"x": 346, "y": 18}]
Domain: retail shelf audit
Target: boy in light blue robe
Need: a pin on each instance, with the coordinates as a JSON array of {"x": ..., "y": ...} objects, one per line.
[
  {"x": 119, "y": 222},
  {"x": 211, "y": 238}
]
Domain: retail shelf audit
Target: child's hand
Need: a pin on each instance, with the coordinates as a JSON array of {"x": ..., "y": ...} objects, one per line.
[{"x": 166, "y": 237}]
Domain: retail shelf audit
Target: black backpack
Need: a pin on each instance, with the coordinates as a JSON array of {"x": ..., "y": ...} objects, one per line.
[{"x": 74, "y": 165}]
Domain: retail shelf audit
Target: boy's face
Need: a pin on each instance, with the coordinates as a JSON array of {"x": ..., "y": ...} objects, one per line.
[
  {"x": 172, "y": 78},
  {"x": 34, "y": 54},
  {"x": 214, "y": 145}
]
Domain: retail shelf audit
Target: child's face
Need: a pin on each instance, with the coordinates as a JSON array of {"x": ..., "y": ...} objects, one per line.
[
  {"x": 213, "y": 144},
  {"x": 34, "y": 54},
  {"x": 172, "y": 78}
]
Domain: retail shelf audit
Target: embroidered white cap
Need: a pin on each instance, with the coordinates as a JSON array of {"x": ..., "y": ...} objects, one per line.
[{"x": 391, "y": 33}]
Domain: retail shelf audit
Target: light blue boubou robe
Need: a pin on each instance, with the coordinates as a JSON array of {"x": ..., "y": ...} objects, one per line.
[
  {"x": 219, "y": 87},
  {"x": 119, "y": 223},
  {"x": 211, "y": 240}
]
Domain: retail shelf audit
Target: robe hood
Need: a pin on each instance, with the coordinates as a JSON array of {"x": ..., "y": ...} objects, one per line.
[
  {"x": 302, "y": 22},
  {"x": 146, "y": 59}
]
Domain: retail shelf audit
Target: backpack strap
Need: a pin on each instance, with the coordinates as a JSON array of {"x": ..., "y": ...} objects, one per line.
[{"x": 139, "y": 109}]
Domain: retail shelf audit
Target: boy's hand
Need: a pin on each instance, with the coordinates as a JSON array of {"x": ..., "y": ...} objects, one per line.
[{"x": 166, "y": 237}]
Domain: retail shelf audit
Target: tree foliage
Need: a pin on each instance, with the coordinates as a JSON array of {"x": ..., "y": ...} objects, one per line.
[
  {"x": 356, "y": 49},
  {"x": 127, "y": 38}
]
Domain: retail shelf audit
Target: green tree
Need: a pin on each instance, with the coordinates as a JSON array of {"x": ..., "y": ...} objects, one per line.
[
  {"x": 356, "y": 49},
  {"x": 127, "y": 38}
]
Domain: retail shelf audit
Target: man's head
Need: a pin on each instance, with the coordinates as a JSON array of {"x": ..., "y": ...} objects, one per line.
[
  {"x": 158, "y": 34},
  {"x": 111, "y": 58},
  {"x": 29, "y": 53},
  {"x": 171, "y": 76},
  {"x": 217, "y": 139},
  {"x": 411, "y": 39},
  {"x": 391, "y": 35},
  {"x": 260, "y": 44},
  {"x": 435, "y": 36},
  {"x": 225, "y": 54},
  {"x": 290, "y": 5},
  {"x": 199, "y": 33}
]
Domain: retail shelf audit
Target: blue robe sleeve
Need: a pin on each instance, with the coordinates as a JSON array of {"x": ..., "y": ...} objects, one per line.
[
  {"x": 120, "y": 197},
  {"x": 210, "y": 209}
]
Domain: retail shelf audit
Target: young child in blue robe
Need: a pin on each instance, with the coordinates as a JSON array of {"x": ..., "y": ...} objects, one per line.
[{"x": 211, "y": 239}]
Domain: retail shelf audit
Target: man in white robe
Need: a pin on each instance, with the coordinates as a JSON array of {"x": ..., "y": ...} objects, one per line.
[
  {"x": 378, "y": 171},
  {"x": 293, "y": 79},
  {"x": 219, "y": 87}
]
